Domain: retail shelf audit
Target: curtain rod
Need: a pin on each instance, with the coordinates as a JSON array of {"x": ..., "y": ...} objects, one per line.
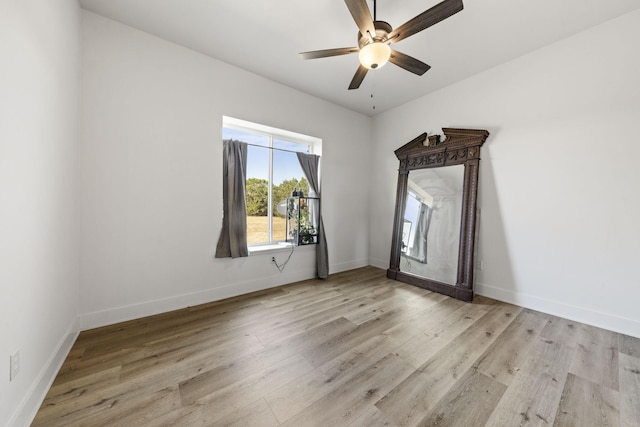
[{"x": 270, "y": 148}]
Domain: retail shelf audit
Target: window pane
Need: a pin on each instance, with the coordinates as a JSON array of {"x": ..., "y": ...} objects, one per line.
[
  {"x": 257, "y": 194},
  {"x": 411, "y": 214},
  {"x": 287, "y": 175},
  {"x": 290, "y": 146}
]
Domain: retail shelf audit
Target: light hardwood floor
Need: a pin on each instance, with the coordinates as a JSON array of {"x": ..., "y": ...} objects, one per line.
[{"x": 354, "y": 350}]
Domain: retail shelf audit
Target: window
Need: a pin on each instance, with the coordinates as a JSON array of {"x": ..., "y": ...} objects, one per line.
[{"x": 273, "y": 171}]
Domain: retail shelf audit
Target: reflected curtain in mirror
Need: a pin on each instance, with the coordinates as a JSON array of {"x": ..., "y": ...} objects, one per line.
[{"x": 417, "y": 248}]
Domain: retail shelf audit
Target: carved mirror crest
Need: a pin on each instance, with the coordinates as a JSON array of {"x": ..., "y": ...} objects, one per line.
[{"x": 435, "y": 215}]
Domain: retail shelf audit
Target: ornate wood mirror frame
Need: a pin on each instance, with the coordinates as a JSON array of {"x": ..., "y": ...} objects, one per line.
[{"x": 459, "y": 147}]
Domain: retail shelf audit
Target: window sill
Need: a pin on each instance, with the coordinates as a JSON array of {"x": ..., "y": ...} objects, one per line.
[{"x": 265, "y": 249}]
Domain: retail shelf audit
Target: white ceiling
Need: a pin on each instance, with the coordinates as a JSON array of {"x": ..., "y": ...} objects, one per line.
[{"x": 265, "y": 36}]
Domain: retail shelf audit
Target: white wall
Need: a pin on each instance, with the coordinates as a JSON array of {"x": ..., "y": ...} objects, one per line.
[
  {"x": 151, "y": 180},
  {"x": 39, "y": 46},
  {"x": 559, "y": 227}
]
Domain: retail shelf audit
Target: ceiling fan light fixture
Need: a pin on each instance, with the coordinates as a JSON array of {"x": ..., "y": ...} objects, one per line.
[
  {"x": 374, "y": 38},
  {"x": 374, "y": 55}
]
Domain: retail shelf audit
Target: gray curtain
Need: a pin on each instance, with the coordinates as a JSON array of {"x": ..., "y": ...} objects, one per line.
[
  {"x": 233, "y": 237},
  {"x": 419, "y": 248},
  {"x": 309, "y": 164}
]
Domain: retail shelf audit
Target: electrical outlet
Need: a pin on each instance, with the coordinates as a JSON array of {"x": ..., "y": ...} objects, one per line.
[{"x": 14, "y": 365}]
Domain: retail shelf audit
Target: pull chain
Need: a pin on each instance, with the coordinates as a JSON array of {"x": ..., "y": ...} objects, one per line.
[
  {"x": 374, "y": 83},
  {"x": 373, "y": 91}
]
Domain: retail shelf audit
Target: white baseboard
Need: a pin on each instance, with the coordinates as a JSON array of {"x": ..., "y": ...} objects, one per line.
[
  {"x": 148, "y": 308},
  {"x": 28, "y": 408},
  {"x": 579, "y": 314},
  {"x": 346, "y": 266},
  {"x": 380, "y": 263}
]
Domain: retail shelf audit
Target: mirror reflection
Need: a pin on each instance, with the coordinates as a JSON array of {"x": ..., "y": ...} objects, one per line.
[{"x": 432, "y": 219}]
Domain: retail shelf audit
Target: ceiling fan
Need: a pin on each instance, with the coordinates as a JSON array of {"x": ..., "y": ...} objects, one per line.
[{"x": 375, "y": 37}]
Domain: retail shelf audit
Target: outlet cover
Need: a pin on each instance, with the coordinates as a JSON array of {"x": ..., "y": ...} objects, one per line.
[{"x": 14, "y": 365}]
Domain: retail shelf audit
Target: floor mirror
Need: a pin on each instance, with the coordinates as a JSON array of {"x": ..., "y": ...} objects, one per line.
[{"x": 433, "y": 240}]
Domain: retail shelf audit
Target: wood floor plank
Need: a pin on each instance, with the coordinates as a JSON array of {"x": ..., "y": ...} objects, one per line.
[
  {"x": 356, "y": 349},
  {"x": 297, "y": 323},
  {"x": 470, "y": 402},
  {"x": 257, "y": 414},
  {"x": 629, "y": 345},
  {"x": 371, "y": 417},
  {"x": 439, "y": 326},
  {"x": 190, "y": 416},
  {"x": 341, "y": 343},
  {"x": 629, "y": 390},
  {"x": 343, "y": 405},
  {"x": 115, "y": 405},
  {"x": 370, "y": 350},
  {"x": 139, "y": 409},
  {"x": 292, "y": 398},
  {"x": 506, "y": 355},
  {"x": 188, "y": 361},
  {"x": 108, "y": 395},
  {"x": 298, "y": 395},
  {"x": 363, "y": 314},
  {"x": 586, "y": 404},
  {"x": 559, "y": 329},
  {"x": 67, "y": 396},
  {"x": 535, "y": 390},
  {"x": 219, "y": 403},
  {"x": 596, "y": 356},
  {"x": 78, "y": 368},
  {"x": 295, "y": 298}
]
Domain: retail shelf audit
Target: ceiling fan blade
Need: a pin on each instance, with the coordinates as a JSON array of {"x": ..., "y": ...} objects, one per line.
[
  {"x": 358, "y": 77},
  {"x": 432, "y": 16},
  {"x": 362, "y": 15},
  {"x": 328, "y": 52},
  {"x": 409, "y": 63}
]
